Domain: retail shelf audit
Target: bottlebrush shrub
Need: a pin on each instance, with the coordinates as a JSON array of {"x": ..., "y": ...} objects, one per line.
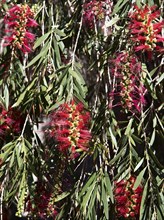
[
  {"x": 95, "y": 11},
  {"x": 69, "y": 126},
  {"x": 127, "y": 199},
  {"x": 39, "y": 204},
  {"x": 128, "y": 90},
  {"x": 18, "y": 21},
  {"x": 11, "y": 121},
  {"x": 146, "y": 28}
]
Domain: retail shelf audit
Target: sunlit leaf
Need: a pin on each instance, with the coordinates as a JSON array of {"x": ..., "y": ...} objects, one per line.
[{"x": 41, "y": 39}]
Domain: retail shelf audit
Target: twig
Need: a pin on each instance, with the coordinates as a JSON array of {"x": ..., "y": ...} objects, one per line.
[{"x": 76, "y": 42}]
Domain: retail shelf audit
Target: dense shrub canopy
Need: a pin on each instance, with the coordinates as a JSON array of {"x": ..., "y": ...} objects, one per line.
[{"x": 81, "y": 109}]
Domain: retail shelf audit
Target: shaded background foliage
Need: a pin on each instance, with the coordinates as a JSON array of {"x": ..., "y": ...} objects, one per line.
[{"x": 73, "y": 58}]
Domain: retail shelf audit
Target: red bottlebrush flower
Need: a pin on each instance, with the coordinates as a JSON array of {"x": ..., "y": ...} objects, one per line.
[
  {"x": 10, "y": 121},
  {"x": 121, "y": 199},
  {"x": 127, "y": 199},
  {"x": 123, "y": 211},
  {"x": 69, "y": 128},
  {"x": 129, "y": 90},
  {"x": 40, "y": 204},
  {"x": 132, "y": 214},
  {"x": 119, "y": 190},
  {"x": 30, "y": 36},
  {"x": 18, "y": 20},
  {"x": 95, "y": 12},
  {"x": 138, "y": 190},
  {"x": 146, "y": 29},
  {"x": 121, "y": 183},
  {"x": 31, "y": 23}
]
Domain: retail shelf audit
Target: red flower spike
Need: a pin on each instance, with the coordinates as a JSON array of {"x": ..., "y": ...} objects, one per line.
[
  {"x": 138, "y": 190},
  {"x": 69, "y": 127},
  {"x": 18, "y": 20},
  {"x": 10, "y": 121},
  {"x": 121, "y": 183},
  {"x": 119, "y": 190},
  {"x": 95, "y": 11},
  {"x": 127, "y": 200},
  {"x": 40, "y": 204},
  {"x": 129, "y": 89},
  {"x": 145, "y": 29},
  {"x": 121, "y": 199}
]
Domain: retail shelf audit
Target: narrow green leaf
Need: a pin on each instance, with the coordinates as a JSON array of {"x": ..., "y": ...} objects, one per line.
[
  {"x": 117, "y": 156},
  {"x": 92, "y": 200},
  {"x": 22, "y": 194},
  {"x": 77, "y": 76},
  {"x": 113, "y": 137},
  {"x": 6, "y": 96},
  {"x": 7, "y": 152},
  {"x": 40, "y": 40},
  {"x": 152, "y": 138},
  {"x": 159, "y": 214},
  {"x": 128, "y": 129},
  {"x": 139, "y": 178},
  {"x": 131, "y": 141},
  {"x": 134, "y": 153},
  {"x": 40, "y": 55},
  {"x": 59, "y": 32},
  {"x": 154, "y": 122},
  {"x": 12, "y": 159},
  {"x": 61, "y": 196},
  {"x": 153, "y": 71},
  {"x": 22, "y": 96},
  {"x": 138, "y": 3},
  {"x": 57, "y": 52},
  {"x": 89, "y": 182},
  {"x": 28, "y": 144},
  {"x": 160, "y": 123},
  {"x": 160, "y": 79},
  {"x": 138, "y": 165},
  {"x": 112, "y": 21},
  {"x": 18, "y": 157},
  {"x": 143, "y": 201},
  {"x": 7, "y": 146},
  {"x": 109, "y": 186},
  {"x": 79, "y": 89},
  {"x": 20, "y": 99},
  {"x": 119, "y": 6},
  {"x": 137, "y": 139},
  {"x": 104, "y": 200},
  {"x": 87, "y": 196},
  {"x": 155, "y": 159}
]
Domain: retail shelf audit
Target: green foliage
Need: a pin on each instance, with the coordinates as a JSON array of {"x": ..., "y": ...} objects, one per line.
[{"x": 73, "y": 61}]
